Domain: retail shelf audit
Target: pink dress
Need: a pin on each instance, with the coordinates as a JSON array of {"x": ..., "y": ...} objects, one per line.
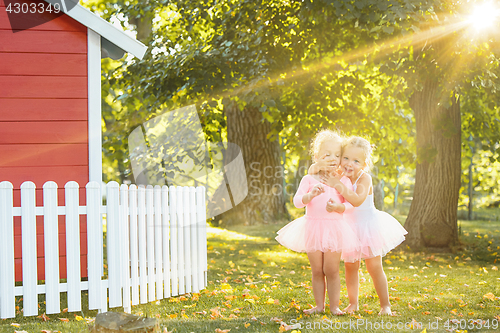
[
  {"x": 378, "y": 232},
  {"x": 319, "y": 230}
]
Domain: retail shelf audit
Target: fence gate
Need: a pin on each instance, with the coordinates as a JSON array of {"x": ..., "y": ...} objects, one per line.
[{"x": 144, "y": 244}]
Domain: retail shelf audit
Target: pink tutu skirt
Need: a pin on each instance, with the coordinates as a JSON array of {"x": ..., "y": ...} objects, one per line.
[
  {"x": 378, "y": 233},
  {"x": 310, "y": 234}
]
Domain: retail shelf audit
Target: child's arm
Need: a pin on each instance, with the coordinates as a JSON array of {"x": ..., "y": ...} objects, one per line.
[
  {"x": 303, "y": 195},
  {"x": 347, "y": 205},
  {"x": 355, "y": 198}
]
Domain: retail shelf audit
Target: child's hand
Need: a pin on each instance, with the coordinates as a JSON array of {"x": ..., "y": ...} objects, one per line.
[
  {"x": 327, "y": 164},
  {"x": 329, "y": 179},
  {"x": 333, "y": 206},
  {"x": 317, "y": 190}
]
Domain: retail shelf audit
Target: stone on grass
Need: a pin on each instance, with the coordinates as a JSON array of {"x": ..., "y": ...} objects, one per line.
[{"x": 120, "y": 322}]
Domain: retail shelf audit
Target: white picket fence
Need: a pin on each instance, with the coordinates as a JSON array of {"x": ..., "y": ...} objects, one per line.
[{"x": 155, "y": 246}]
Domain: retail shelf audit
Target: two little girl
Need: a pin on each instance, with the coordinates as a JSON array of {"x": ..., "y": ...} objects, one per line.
[{"x": 341, "y": 222}]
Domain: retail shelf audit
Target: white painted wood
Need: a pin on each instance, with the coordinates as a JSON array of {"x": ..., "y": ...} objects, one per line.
[
  {"x": 195, "y": 268},
  {"x": 167, "y": 226},
  {"x": 94, "y": 105},
  {"x": 150, "y": 242},
  {"x": 28, "y": 229},
  {"x": 134, "y": 246},
  {"x": 73, "y": 271},
  {"x": 203, "y": 235},
  {"x": 105, "y": 29},
  {"x": 166, "y": 241},
  {"x": 173, "y": 240},
  {"x": 187, "y": 239},
  {"x": 51, "y": 248},
  {"x": 94, "y": 242},
  {"x": 125, "y": 247},
  {"x": 180, "y": 240},
  {"x": 113, "y": 244},
  {"x": 7, "y": 273},
  {"x": 141, "y": 211},
  {"x": 200, "y": 207},
  {"x": 158, "y": 242}
]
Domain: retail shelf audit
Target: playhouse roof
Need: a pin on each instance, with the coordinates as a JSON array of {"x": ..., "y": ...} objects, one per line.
[{"x": 106, "y": 30}]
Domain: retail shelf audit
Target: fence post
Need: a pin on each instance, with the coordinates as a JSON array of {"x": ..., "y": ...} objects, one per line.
[
  {"x": 51, "y": 246},
  {"x": 194, "y": 239},
  {"x": 200, "y": 211},
  {"x": 158, "y": 242},
  {"x": 203, "y": 234},
  {"x": 28, "y": 229},
  {"x": 187, "y": 238},
  {"x": 113, "y": 244},
  {"x": 73, "y": 246},
  {"x": 134, "y": 249},
  {"x": 174, "y": 229},
  {"x": 166, "y": 241},
  {"x": 151, "y": 242},
  {"x": 180, "y": 240},
  {"x": 94, "y": 237},
  {"x": 125, "y": 247},
  {"x": 141, "y": 211},
  {"x": 7, "y": 273}
]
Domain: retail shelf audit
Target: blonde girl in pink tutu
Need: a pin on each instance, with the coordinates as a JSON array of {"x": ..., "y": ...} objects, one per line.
[
  {"x": 377, "y": 231},
  {"x": 322, "y": 233}
]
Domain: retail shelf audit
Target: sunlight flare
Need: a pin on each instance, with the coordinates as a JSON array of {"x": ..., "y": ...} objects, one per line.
[{"x": 484, "y": 16}]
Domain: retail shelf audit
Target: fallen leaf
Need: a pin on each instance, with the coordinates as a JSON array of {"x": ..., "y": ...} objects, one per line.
[
  {"x": 44, "y": 317},
  {"x": 489, "y": 296},
  {"x": 79, "y": 318},
  {"x": 218, "y": 330},
  {"x": 15, "y": 325},
  {"x": 247, "y": 324},
  {"x": 66, "y": 320}
]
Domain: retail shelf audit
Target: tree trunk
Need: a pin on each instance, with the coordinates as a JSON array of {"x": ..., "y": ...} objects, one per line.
[
  {"x": 264, "y": 202},
  {"x": 432, "y": 219}
]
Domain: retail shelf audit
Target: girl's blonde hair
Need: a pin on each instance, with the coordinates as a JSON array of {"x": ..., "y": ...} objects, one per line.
[
  {"x": 359, "y": 142},
  {"x": 321, "y": 137}
]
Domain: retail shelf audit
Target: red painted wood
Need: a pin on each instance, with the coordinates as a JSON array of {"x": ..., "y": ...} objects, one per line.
[
  {"x": 44, "y": 132},
  {"x": 43, "y": 87},
  {"x": 43, "y": 64},
  {"x": 40, "y": 175},
  {"x": 43, "y": 109},
  {"x": 41, "y": 247},
  {"x": 43, "y": 154},
  {"x": 41, "y": 267},
  {"x": 43, "y": 41},
  {"x": 50, "y": 21}
]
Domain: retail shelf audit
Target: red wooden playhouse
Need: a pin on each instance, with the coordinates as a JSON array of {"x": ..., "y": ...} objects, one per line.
[{"x": 50, "y": 107}]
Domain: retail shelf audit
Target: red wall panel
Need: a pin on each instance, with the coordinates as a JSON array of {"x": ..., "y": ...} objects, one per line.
[
  {"x": 42, "y": 86},
  {"x": 59, "y": 132},
  {"x": 35, "y": 155},
  {"x": 43, "y": 41},
  {"x": 43, "y": 64},
  {"x": 34, "y": 109},
  {"x": 44, "y": 116}
]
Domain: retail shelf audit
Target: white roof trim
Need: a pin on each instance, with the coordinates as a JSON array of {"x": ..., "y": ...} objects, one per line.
[{"x": 105, "y": 29}]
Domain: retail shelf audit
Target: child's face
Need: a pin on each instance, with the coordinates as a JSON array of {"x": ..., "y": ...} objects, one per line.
[
  {"x": 331, "y": 152},
  {"x": 353, "y": 161}
]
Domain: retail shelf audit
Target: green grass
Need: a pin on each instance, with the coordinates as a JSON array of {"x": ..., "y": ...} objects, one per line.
[{"x": 254, "y": 283}]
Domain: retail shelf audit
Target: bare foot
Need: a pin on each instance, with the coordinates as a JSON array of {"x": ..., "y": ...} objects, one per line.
[
  {"x": 313, "y": 310},
  {"x": 336, "y": 312},
  {"x": 351, "y": 308},
  {"x": 385, "y": 311}
]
